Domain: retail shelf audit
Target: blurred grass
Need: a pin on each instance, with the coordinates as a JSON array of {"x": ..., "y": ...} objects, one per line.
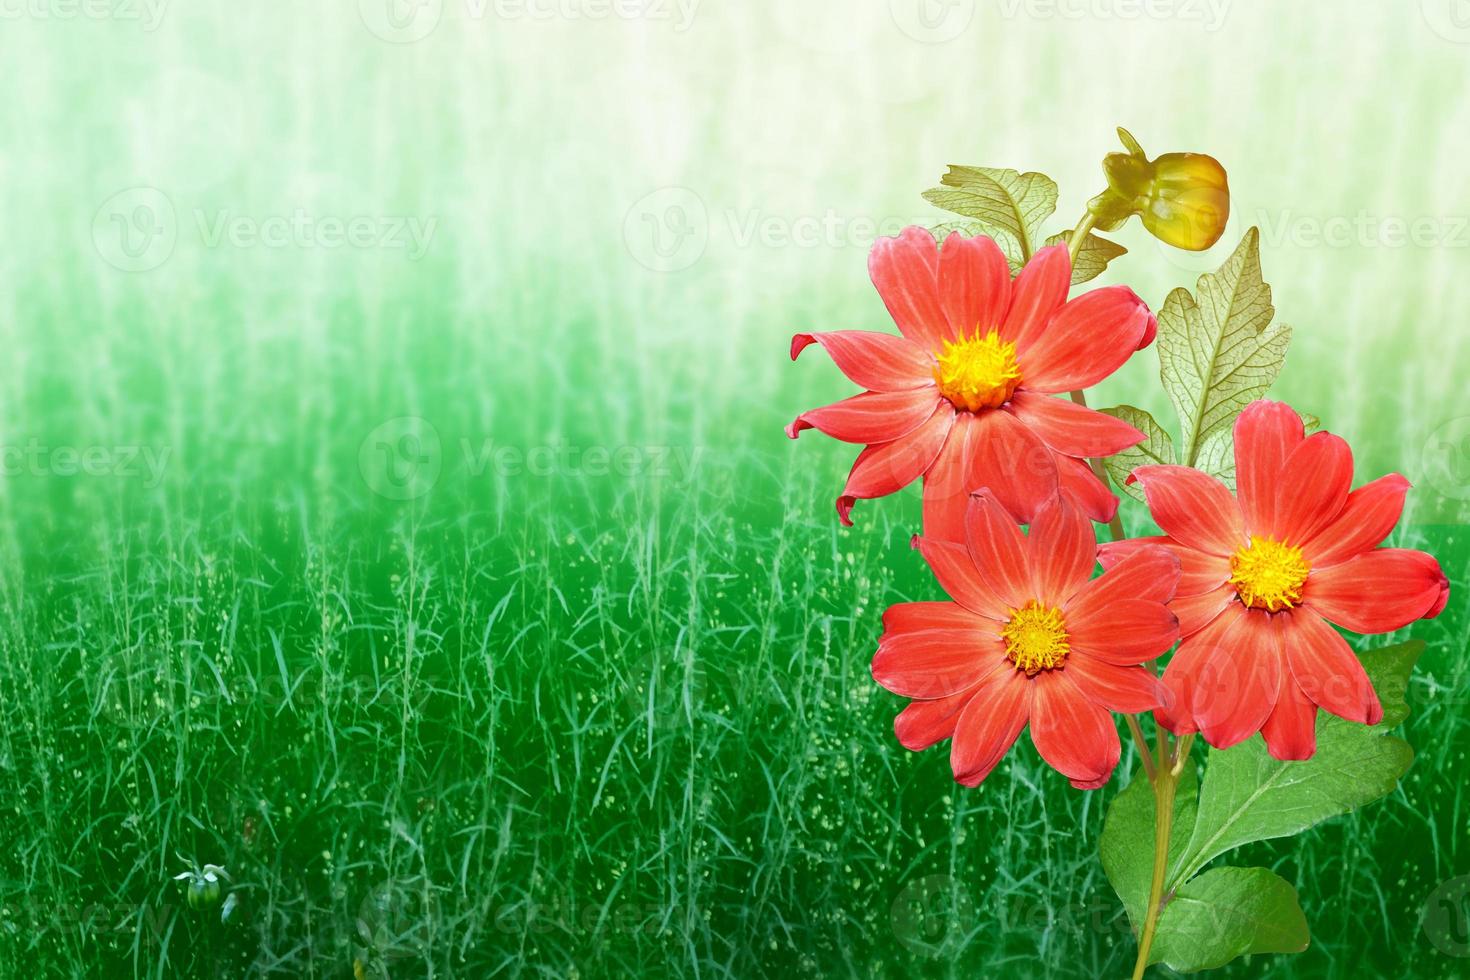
[{"x": 558, "y": 718}]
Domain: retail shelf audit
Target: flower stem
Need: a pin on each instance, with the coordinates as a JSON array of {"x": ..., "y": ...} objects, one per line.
[
  {"x": 1079, "y": 235},
  {"x": 1165, "y": 783}
]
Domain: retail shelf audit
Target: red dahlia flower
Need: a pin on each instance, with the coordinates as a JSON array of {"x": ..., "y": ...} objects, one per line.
[
  {"x": 962, "y": 397},
  {"x": 1029, "y": 638},
  {"x": 1265, "y": 574}
]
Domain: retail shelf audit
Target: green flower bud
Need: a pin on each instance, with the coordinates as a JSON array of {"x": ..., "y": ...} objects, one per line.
[{"x": 1183, "y": 198}]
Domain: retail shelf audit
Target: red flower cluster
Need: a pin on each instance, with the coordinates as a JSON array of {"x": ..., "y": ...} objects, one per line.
[{"x": 964, "y": 399}]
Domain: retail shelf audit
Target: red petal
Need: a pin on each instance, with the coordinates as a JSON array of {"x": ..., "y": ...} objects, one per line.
[
  {"x": 1291, "y": 730},
  {"x": 1199, "y": 572},
  {"x": 1071, "y": 428},
  {"x": 1194, "y": 509},
  {"x": 1072, "y": 733},
  {"x": 937, "y": 663},
  {"x": 946, "y": 495},
  {"x": 998, "y": 550},
  {"x": 1236, "y": 688},
  {"x": 1149, "y": 573},
  {"x": 1265, "y": 435},
  {"x": 1011, "y": 461},
  {"x": 1126, "y": 689},
  {"x": 876, "y": 361},
  {"x": 960, "y": 579},
  {"x": 1326, "y": 669},
  {"x": 1063, "y": 550},
  {"x": 988, "y": 726},
  {"x": 1125, "y": 631},
  {"x": 1195, "y": 612},
  {"x": 1367, "y": 518},
  {"x": 1076, "y": 480},
  {"x": 1313, "y": 487},
  {"x": 911, "y": 617},
  {"x": 873, "y": 416},
  {"x": 1181, "y": 675},
  {"x": 1036, "y": 295},
  {"x": 905, "y": 271},
  {"x": 1090, "y": 338},
  {"x": 887, "y": 467},
  {"x": 974, "y": 284},
  {"x": 923, "y": 723},
  {"x": 1379, "y": 591}
]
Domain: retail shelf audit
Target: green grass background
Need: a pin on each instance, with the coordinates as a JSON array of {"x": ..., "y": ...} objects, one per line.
[{"x": 594, "y": 700}]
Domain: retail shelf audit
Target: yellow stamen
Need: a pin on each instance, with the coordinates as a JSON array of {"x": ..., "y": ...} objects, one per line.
[
  {"x": 1269, "y": 574},
  {"x": 1036, "y": 638},
  {"x": 979, "y": 372}
]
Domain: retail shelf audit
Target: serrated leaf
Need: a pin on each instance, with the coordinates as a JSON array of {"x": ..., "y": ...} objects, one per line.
[
  {"x": 1157, "y": 448},
  {"x": 1092, "y": 258},
  {"x": 1010, "y": 206},
  {"x": 1248, "y": 796},
  {"x": 1216, "y": 455},
  {"x": 1218, "y": 350},
  {"x": 943, "y": 230},
  {"x": 1127, "y": 842},
  {"x": 1225, "y": 913}
]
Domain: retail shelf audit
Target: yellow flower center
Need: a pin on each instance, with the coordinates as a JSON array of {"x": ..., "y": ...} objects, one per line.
[
  {"x": 1036, "y": 638},
  {"x": 980, "y": 372},
  {"x": 1269, "y": 574}
]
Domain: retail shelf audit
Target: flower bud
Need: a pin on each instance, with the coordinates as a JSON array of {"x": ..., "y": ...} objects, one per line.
[{"x": 1183, "y": 198}]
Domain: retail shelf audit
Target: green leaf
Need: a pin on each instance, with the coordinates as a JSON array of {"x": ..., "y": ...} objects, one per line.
[
  {"x": 1010, "y": 206},
  {"x": 1092, "y": 258},
  {"x": 1225, "y": 913},
  {"x": 969, "y": 229},
  {"x": 1216, "y": 455},
  {"x": 1249, "y": 796},
  {"x": 1244, "y": 796},
  {"x": 1156, "y": 449},
  {"x": 1127, "y": 843},
  {"x": 1218, "y": 350}
]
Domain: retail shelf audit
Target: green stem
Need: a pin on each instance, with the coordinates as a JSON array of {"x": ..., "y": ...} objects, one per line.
[
  {"x": 1079, "y": 235},
  {"x": 1166, "y": 783}
]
